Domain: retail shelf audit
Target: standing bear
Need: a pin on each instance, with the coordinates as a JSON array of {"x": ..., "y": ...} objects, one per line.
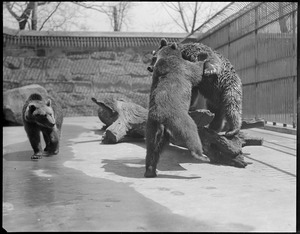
[
  {"x": 42, "y": 115},
  {"x": 170, "y": 97},
  {"x": 221, "y": 87}
]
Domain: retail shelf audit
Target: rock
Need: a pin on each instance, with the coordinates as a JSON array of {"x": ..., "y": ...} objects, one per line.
[{"x": 13, "y": 101}]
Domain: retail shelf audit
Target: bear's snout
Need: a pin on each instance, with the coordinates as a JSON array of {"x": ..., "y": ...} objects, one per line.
[{"x": 150, "y": 68}]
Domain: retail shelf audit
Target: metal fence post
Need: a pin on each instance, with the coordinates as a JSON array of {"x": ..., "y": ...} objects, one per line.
[
  {"x": 256, "y": 61},
  {"x": 295, "y": 66}
]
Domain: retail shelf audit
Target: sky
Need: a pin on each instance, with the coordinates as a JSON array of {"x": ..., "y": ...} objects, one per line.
[{"x": 143, "y": 17}]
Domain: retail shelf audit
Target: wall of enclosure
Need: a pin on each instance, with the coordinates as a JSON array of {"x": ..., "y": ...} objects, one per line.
[
  {"x": 73, "y": 67},
  {"x": 261, "y": 43}
]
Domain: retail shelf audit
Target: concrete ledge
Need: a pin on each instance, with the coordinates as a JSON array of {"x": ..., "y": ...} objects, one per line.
[{"x": 286, "y": 130}]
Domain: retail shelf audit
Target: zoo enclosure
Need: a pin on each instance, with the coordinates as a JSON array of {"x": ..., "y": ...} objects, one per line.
[
  {"x": 260, "y": 40},
  {"x": 75, "y": 66}
]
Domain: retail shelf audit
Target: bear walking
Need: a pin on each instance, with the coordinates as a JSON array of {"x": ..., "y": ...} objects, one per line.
[
  {"x": 221, "y": 87},
  {"x": 41, "y": 115},
  {"x": 170, "y": 96}
]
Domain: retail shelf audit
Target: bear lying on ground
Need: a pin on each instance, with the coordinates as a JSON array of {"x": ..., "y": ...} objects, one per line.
[
  {"x": 221, "y": 86},
  {"x": 41, "y": 115},
  {"x": 170, "y": 96}
]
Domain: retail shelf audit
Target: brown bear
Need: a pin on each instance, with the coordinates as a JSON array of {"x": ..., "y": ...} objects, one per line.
[
  {"x": 170, "y": 96},
  {"x": 220, "y": 85},
  {"x": 42, "y": 115}
]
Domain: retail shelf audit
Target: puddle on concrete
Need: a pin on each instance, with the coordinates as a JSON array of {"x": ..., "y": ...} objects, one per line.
[{"x": 41, "y": 173}]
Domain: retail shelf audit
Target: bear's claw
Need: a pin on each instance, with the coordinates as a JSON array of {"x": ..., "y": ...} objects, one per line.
[
  {"x": 36, "y": 156},
  {"x": 202, "y": 157}
]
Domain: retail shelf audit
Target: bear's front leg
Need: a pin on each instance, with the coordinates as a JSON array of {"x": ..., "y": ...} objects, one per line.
[
  {"x": 54, "y": 141},
  {"x": 47, "y": 141},
  {"x": 35, "y": 140},
  {"x": 233, "y": 111}
]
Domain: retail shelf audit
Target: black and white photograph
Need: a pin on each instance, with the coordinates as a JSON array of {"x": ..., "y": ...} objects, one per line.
[{"x": 150, "y": 116}]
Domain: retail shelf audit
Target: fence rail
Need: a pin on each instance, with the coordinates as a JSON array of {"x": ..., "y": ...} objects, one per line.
[{"x": 261, "y": 43}]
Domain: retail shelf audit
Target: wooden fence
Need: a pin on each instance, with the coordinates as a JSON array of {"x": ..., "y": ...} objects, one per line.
[{"x": 261, "y": 42}]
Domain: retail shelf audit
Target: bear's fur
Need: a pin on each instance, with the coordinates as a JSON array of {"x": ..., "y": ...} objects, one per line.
[
  {"x": 42, "y": 115},
  {"x": 221, "y": 86},
  {"x": 170, "y": 96}
]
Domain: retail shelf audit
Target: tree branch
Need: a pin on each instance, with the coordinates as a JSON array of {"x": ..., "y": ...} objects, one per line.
[
  {"x": 172, "y": 6},
  {"x": 195, "y": 16},
  {"x": 93, "y": 7},
  {"x": 49, "y": 16},
  {"x": 182, "y": 17},
  {"x": 9, "y": 8},
  {"x": 173, "y": 18},
  {"x": 124, "y": 7}
]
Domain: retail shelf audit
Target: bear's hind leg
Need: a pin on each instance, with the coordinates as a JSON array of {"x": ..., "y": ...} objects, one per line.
[
  {"x": 185, "y": 130},
  {"x": 156, "y": 139},
  {"x": 53, "y": 146},
  {"x": 234, "y": 121}
]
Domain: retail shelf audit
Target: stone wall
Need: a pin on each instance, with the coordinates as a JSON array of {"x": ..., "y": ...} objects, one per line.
[{"x": 74, "y": 75}]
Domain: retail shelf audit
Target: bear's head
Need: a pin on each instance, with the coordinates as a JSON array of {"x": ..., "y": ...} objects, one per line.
[
  {"x": 40, "y": 113},
  {"x": 165, "y": 50}
]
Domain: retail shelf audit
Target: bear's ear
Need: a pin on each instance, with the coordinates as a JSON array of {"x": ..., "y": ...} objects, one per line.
[
  {"x": 174, "y": 46},
  {"x": 48, "y": 103},
  {"x": 31, "y": 108},
  {"x": 163, "y": 42}
]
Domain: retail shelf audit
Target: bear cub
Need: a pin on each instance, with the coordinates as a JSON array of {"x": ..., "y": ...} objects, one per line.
[
  {"x": 170, "y": 97},
  {"x": 42, "y": 115}
]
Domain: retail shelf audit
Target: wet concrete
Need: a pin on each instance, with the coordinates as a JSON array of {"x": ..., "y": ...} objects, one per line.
[{"x": 94, "y": 187}]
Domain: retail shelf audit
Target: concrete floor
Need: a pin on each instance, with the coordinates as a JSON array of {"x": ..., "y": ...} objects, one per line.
[{"x": 89, "y": 186}]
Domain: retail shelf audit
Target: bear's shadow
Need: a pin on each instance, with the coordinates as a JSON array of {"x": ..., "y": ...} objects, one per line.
[
  {"x": 18, "y": 152},
  {"x": 18, "y": 156},
  {"x": 170, "y": 160}
]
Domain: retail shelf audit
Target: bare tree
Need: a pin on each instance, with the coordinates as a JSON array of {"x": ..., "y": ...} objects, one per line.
[
  {"x": 22, "y": 12},
  {"x": 187, "y": 15},
  {"x": 43, "y": 15},
  {"x": 117, "y": 12},
  {"x": 61, "y": 15}
]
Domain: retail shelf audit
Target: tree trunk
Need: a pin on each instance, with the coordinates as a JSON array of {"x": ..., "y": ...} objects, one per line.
[
  {"x": 34, "y": 16},
  {"x": 124, "y": 118},
  {"x": 25, "y": 15},
  {"x": 115, "y": 19}
]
